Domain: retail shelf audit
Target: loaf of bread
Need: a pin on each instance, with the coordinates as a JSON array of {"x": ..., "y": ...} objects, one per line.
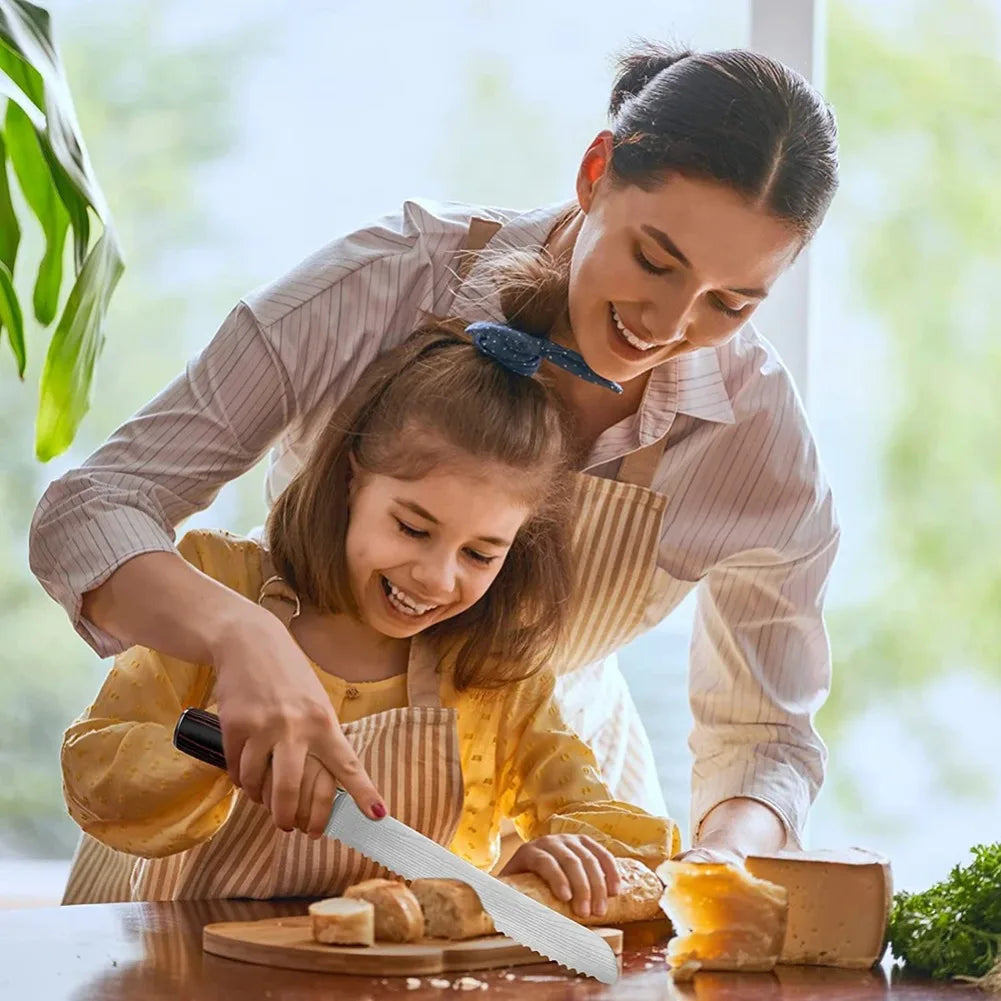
[
  {"x": 638, "y": 898},
  {"x": 453, "y": 910},
  {"x": 398, "y": 916},
  {"x": 723, "y": 918},
  {"x": 342, "y": 921}
]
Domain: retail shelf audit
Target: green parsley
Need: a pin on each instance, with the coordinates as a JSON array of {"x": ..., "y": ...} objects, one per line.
[{"x": 952, "y": 929}]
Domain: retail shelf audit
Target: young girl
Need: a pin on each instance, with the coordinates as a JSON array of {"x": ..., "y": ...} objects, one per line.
[{"x": 421, "y": 560}]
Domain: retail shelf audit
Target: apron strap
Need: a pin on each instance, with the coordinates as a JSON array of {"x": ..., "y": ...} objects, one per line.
[
  {"x": 477, "y": 237},
  {"x": 275, "y": 594},
  {"x": 423, "y": 682},
  {"x": 640, "y": 467}
]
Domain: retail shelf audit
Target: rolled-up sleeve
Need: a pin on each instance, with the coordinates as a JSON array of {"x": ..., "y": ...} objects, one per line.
[
  {"x": 760, "y": 669},
  {"x": 207, "y": 427},
  {"x": 283, "y": 356}
]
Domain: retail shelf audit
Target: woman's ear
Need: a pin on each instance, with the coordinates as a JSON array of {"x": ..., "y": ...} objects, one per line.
[{"x": 593, "y": 167}]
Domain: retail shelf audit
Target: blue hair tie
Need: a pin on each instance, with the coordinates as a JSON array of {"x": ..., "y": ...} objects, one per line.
[{"x": 523, "y": 353}]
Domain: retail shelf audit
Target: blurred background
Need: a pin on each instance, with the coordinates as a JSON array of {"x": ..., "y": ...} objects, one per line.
[{"x": 232, "y": 140}]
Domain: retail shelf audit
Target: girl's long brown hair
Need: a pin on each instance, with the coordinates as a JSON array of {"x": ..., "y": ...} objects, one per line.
[{"x": 435, "y": 399}]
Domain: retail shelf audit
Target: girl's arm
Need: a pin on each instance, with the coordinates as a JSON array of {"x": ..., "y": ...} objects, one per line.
[
  {"x": 124, "y": 782},
  {"x": 549, "y": 783}
]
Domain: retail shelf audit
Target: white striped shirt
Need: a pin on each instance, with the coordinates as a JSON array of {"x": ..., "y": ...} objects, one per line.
[{"x": 749, "y": 519}]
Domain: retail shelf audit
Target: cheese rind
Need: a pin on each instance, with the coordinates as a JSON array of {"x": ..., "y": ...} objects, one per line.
[
  {"x": 724, "y": 918},
  {"x": 839, "y": 905}
]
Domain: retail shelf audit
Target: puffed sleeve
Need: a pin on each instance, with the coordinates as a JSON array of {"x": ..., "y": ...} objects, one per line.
[{"x": 549, "y": 782}]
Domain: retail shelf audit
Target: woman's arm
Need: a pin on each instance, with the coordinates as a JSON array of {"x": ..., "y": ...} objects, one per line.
[
  {"x": 101, "y": 539},
  {"x": 759, "y": 761}
]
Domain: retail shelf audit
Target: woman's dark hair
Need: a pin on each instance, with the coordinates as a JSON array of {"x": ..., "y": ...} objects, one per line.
[{"x": 732, "y": 116}]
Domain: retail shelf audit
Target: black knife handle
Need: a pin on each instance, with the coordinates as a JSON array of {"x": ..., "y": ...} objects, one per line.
[{"x": 199, "y": 734}]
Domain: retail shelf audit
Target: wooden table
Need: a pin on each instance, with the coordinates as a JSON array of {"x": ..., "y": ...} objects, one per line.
[{"x": 141, "y": 952}]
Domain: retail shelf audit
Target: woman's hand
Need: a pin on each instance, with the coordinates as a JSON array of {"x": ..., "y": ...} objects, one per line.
[
  {"x": 278, "y": 724},
  {"x": 734, "y": 829},
  {"x": 574, "y": 866}
]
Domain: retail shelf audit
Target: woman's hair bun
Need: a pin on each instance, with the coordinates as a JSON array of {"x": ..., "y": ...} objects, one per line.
[{"x": 638, "y": 66}]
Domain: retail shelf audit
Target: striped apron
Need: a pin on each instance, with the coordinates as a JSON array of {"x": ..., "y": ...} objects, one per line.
[
  {"x": 411, "y": 754},
  {"x": 620, "y": 594}
]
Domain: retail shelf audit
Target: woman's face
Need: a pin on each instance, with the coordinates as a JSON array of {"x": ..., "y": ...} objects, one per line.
[
  {"x": 658, "y": 273},
  {"x": 420, "y": 551}
]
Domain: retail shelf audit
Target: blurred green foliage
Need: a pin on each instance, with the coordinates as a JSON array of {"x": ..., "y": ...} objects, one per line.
[
  {"x": 154, "y": 115},
  {"x": 920, "y": 100}
]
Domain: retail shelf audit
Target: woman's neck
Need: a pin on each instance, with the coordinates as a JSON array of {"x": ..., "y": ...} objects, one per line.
[
  {"x": 593, "y": 409},
  {"x": 346, "y": 648}
]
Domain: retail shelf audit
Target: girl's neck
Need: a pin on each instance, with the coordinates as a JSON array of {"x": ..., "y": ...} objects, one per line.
[{"x": 346, "y": 648}]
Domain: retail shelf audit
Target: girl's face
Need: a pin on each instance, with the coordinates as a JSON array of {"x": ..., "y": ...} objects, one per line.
[
  {"x": 659, "y": 273},
  {"x": 420, "y": 551}
]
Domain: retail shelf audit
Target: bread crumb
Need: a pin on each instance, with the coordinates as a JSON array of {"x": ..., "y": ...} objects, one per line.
[
  {"x": 438, "y": 982},
  {"x": 413, "y": 983},
  {"x": 468, "y": 984},
  {"x": 510, "y": 976}
]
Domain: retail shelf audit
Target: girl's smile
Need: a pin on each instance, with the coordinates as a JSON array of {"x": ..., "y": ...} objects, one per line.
[{"x": 423, "y": 550}]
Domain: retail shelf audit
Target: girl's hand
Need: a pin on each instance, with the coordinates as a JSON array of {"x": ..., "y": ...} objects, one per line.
[
  {"x": 278, "y": 724},
  {"x": 574, "y": 866}
]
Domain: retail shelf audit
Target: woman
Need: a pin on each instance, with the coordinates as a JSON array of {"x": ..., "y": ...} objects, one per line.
[{"x": 716, "y": 171}]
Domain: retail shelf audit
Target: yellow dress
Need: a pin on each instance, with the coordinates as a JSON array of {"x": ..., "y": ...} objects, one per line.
[{"x": 128, "y": 787}]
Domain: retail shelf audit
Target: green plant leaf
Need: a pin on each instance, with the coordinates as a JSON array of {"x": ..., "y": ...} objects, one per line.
[
  {"x": 26, "y": 29},
  {"x": 35, "y": 80},
  {"x": 31, "y": 169},
  {"x": 10, "y": 318},
  {"x": 64, "y": 394},
  {"x": 10, "y": 229},
  {"x": 25, "y": 76},
  {"x": 10, "y": 89}
]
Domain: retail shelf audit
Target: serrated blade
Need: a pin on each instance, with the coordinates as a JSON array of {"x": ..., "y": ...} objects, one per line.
[{"x": 411, "y": 855}]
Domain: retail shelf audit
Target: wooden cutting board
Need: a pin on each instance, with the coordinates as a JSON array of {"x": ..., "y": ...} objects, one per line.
[{"x": 288, "y": 943}]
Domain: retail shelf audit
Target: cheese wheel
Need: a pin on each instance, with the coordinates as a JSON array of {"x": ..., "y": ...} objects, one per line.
[
  {"x": 341, "y": 921},
  {"x": 398, "y": 916},
  {"x": 839, "y": 904},
  {"x": 723, "y": 918}
]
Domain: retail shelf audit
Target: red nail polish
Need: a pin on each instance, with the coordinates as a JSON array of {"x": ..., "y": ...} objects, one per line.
[{"x": 379, "y": 810}]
